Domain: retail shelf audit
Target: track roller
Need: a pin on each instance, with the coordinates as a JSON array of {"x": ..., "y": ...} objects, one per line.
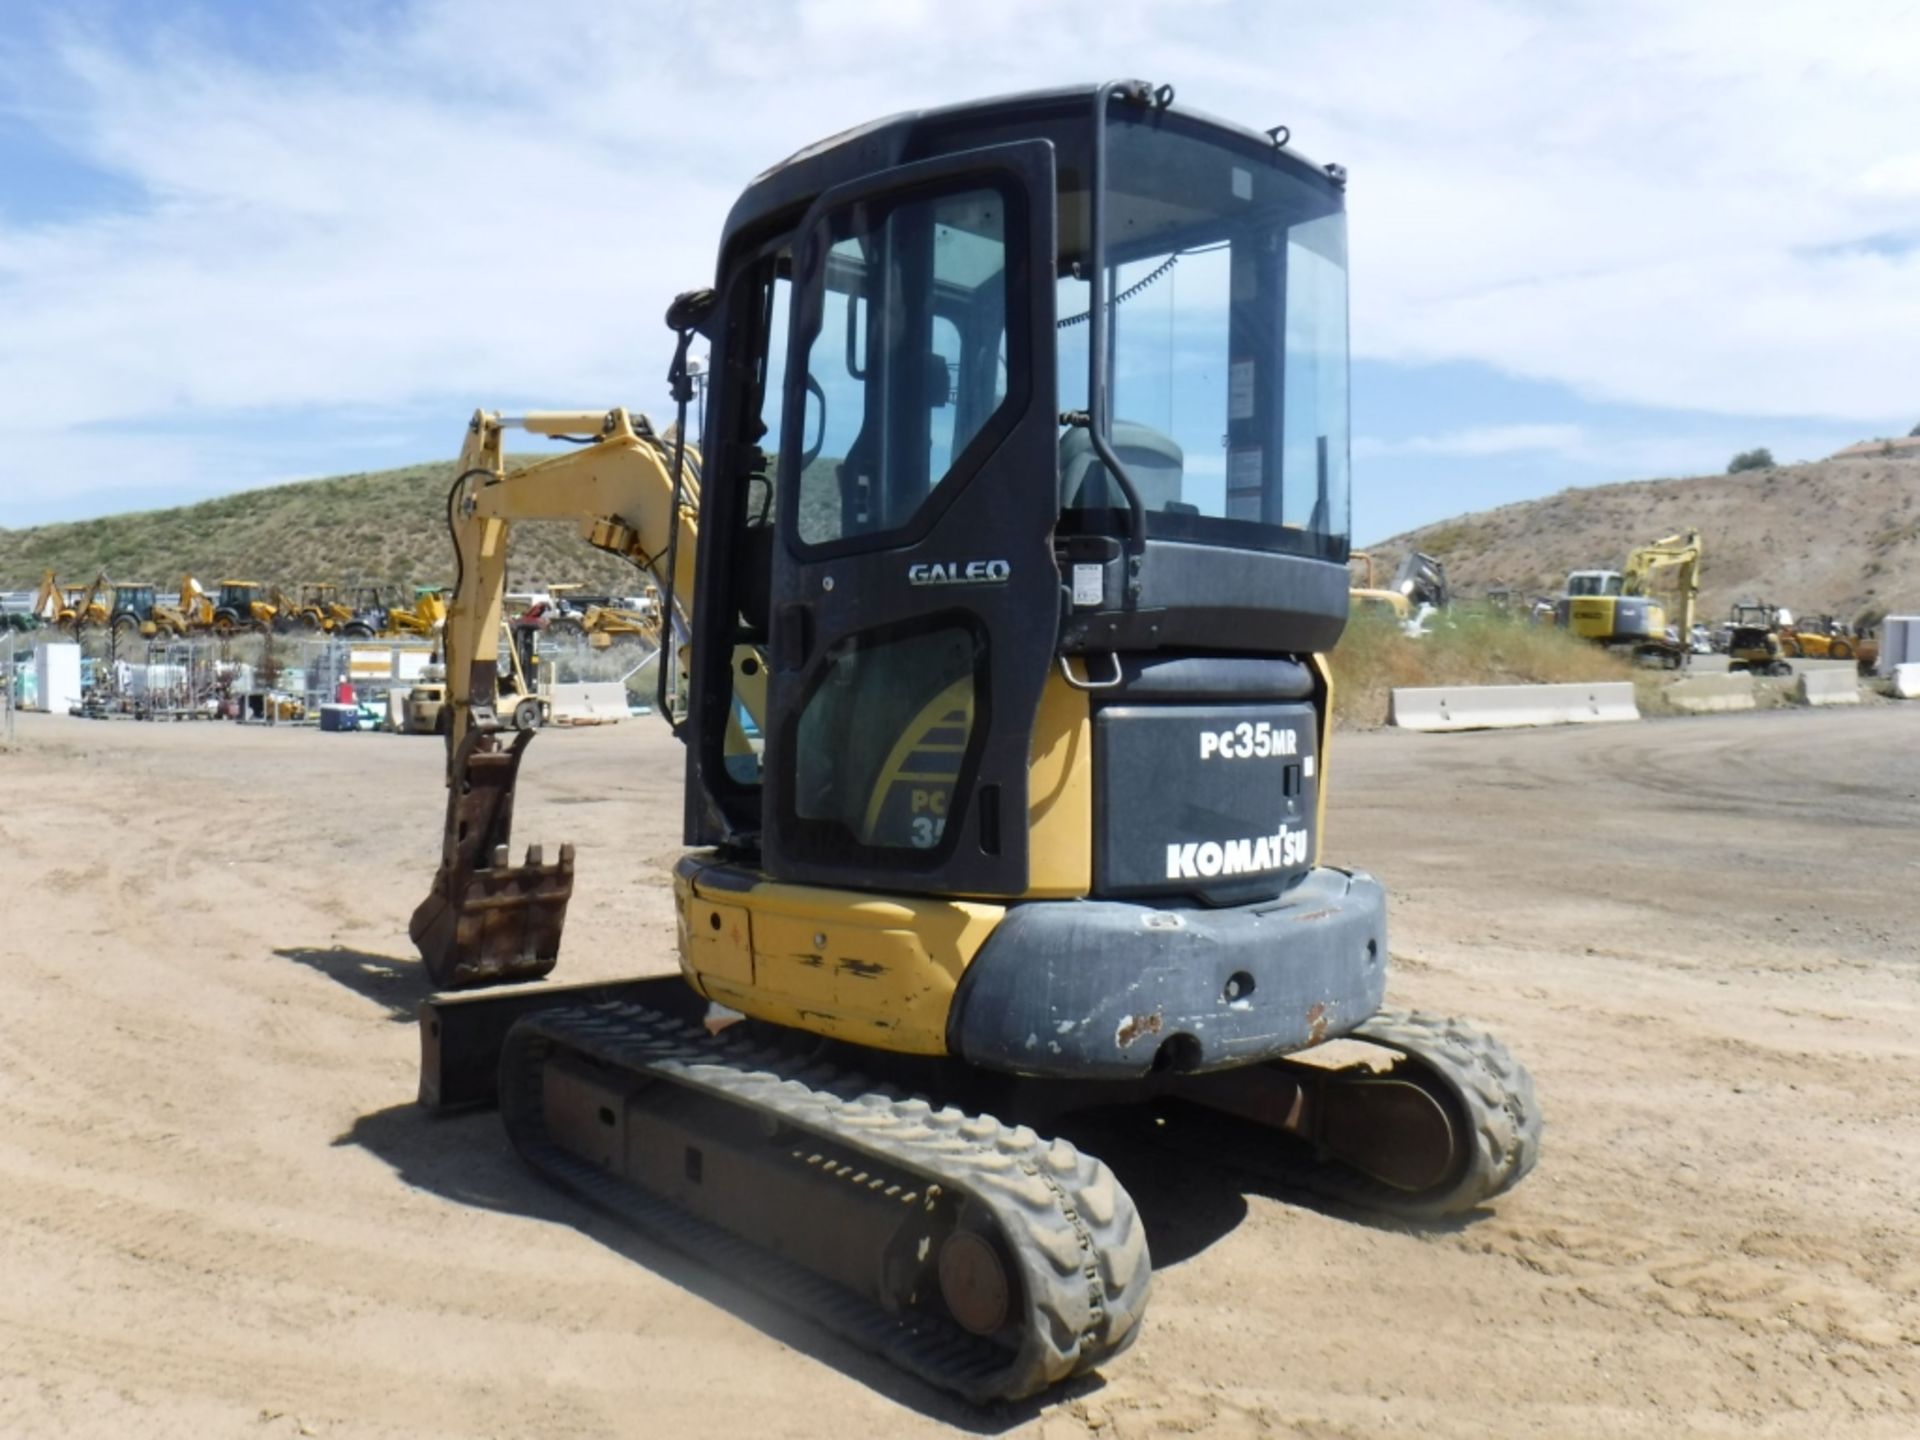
[{"x": 982, "y": 1258}]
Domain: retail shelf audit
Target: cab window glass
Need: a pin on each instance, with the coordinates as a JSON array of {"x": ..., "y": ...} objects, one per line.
[{"x": 906, "y": 363}]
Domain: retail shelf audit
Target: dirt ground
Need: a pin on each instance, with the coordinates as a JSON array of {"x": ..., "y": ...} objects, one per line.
[{"x": 222, "y": 1215}]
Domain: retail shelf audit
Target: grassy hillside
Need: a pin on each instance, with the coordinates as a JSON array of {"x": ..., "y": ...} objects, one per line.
[
  {"x": 1839, "y": 537},
  {"x": 1373, "y": 658},
  {"x": 387, "y": 527}
]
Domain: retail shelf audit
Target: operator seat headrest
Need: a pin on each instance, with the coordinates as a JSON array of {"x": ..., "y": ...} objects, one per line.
[{"x": 1154, "y": 461}]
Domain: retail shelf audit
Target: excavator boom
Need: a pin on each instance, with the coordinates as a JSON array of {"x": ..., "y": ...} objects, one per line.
[{"x": 486, "y": 920}]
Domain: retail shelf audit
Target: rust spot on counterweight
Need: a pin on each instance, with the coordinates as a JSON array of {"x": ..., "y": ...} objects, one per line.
[{"x": 1134, "y": 1026}]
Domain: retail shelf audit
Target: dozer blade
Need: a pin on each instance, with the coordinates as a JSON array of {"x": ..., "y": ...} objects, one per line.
[{"x": 488, "y": 922}]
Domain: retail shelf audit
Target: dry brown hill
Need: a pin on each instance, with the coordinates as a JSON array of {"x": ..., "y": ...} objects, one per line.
[
  {"x": 1837, "y": 537},
  {"x": 388, "y": 527}
]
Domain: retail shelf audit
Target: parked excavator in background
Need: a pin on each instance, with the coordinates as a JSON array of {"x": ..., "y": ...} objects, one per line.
[
  {"x": 1754, "y": 638},
  {"x": 1006, "y": 741},
  {"x": 1615, "y": 608}
]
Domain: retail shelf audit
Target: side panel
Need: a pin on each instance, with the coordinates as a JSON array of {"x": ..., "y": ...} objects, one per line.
[{"x": 869, "y": 969}]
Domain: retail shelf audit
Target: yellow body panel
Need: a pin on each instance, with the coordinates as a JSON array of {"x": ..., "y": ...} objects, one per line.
[
  {"x": 1060, "y": 795},
  {"x": 876, "y": 970},
  {"x": 1592, "y": 617}
]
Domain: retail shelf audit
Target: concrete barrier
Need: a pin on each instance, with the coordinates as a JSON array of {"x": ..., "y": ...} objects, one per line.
[
  {"x": 1503, "y": 707},
  {"x": 599, "y": 702},
  {"x": 1709, "y": 694},
  {"x": 1805, "y": 666},
  {"x": 1829, "y": 685},
  {"x": 1906, "y": 681},
  {"x": 1707, "y": 664}
]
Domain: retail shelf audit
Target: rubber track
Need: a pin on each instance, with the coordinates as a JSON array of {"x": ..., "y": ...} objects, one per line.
[
  {"x": 1080, "y": 1247},
  {"x": 1492, "y": 1092}
]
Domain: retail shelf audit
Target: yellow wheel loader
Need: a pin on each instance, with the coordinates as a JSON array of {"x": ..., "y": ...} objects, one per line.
[
  {"x": 1007, "y": 729},
  {"x": 1819, "y": 637}
]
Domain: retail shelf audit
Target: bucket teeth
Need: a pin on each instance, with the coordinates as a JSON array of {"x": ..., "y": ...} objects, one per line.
[{"x": 487, "y": 921}]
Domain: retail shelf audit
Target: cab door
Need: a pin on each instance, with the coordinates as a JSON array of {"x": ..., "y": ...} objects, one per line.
[{"x": 915, "y": 595}]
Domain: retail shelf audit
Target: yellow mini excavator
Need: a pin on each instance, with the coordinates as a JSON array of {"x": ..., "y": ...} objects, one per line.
[{"x": 1006, "y": 727}]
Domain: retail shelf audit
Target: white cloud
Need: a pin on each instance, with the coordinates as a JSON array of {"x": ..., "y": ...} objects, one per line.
[
  {"x": 1480, "y": 441},
  {"x": 492, "y": 203}
]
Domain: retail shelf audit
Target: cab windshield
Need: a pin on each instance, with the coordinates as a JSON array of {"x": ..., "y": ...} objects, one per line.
[
  {"x": 1226, "y": 290},
  {"x": 1595, "y": 582}
]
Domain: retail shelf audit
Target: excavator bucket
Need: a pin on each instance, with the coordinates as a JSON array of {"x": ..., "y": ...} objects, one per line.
[{"x": 488, "y": 922}]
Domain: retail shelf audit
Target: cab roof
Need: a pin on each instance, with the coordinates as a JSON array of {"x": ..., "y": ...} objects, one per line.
[{"x": 785, "y": 189}]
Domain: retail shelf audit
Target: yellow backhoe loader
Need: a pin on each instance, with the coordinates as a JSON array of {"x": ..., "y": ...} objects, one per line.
[
  {"x": 423, "y": 620},
  {"x": 242, "y": 605},
  {"x": 320, "y": 608},
  {"x": 600, "y": 626},
  {"x": 196, "y": 606},
  {"x": 87, "y": 608},
  {"x": 1006, "y": 741},
  {"x": 53, "y": 605},
  {"x": 139, "y": 615}
]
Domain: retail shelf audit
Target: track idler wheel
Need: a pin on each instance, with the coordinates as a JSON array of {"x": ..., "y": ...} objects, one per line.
[
  {"x": 1447, "y": 1125},
  {"x": 1452, "y": 1124}
]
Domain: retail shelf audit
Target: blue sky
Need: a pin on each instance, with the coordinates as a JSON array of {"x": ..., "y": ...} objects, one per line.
[{"x": 250, "y": 242}]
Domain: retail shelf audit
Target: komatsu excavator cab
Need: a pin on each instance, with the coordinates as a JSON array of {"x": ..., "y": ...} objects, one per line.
[
  {"x": 1001, "y": 577},
  {"x": 1024, "y": 516}
]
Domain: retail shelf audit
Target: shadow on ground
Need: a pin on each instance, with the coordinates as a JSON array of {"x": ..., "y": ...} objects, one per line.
[
  {"x": 467, "y": 1159},
  {"x": 397, "y": 986},
  {"x": 1187, "y": 1189}
]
